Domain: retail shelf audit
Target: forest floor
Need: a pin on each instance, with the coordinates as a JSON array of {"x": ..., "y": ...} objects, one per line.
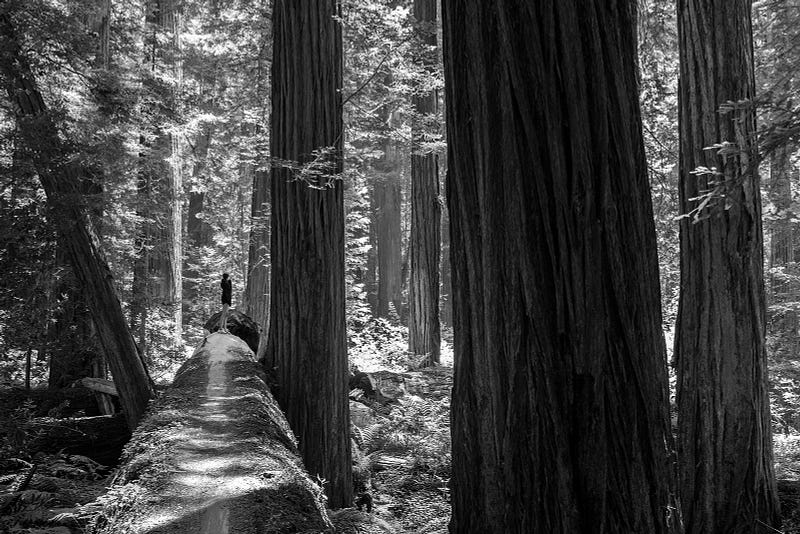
[
  {"x": 401, "y": 449},
  {"x": 401, "y": 453}
]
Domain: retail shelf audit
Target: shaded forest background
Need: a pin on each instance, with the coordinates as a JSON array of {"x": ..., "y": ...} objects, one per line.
[{"x": 167, "y": 103}]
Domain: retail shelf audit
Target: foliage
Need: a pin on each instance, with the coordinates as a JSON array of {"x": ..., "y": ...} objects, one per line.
[
  {"x": 658, "y": 62},
  {"x": 407, "y": 457}
]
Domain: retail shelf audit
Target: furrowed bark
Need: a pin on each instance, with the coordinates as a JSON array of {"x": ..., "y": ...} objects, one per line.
[{"x": 559, "y": 409}]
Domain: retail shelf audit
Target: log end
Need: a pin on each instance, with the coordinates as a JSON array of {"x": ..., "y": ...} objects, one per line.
[{"x": 240, "y": 325}]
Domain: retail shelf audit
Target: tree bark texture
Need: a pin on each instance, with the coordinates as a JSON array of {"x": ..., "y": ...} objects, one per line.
[
  {"x": 425, "y": 241},
  {"x": 559, "y": 408},
  {"x": 198, "y": 231},
  {"x": 256, "y": 295},
  {"x": 307, "y": 324},
  {"x": 724, "y": 437},
  {"x": 160, "y": 177},
  {"x": 61, "y": 177}
]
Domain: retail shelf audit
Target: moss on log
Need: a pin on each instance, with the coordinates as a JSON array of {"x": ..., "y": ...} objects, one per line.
[{"x": 214, "y": 454}]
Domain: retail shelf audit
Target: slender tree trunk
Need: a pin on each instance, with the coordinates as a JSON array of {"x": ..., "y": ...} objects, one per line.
[
  {"x": 307, "y": 325},
  {"x": 61, "y": 177},
  {"x": 425, "y": 240},
  {"x": 256, "y": 296},
  {"x": 257, "y": 290},
  {"x": 388, "y": 199},
  {"x": 559, "y": 409},
  {"x": 724, "y": 435},
  {"x": 446, "y": 298},
  {"x": 28, "y": 369},
  {"x": 387, "y": 193},
  {"x": 783, "y": 288},
  {"x": 198, "y": 231},
  {"x": 160, "y": 176}
]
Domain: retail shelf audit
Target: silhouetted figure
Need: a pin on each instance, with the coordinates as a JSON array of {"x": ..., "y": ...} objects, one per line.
[{"x": 227, "y": 292}]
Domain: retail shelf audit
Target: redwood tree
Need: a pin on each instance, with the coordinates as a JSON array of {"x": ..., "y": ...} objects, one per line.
[
  {"x": 559, "y": 408},
  {"x": 307, "y": 326},
  {"x": 61, "y": 175},
  {"x": 425, "y": 240},
  {"x": 724, "y": 436}
]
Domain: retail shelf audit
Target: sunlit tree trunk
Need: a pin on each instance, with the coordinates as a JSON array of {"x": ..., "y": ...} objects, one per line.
[
  {"x": 306, "y": 344},
  {"x": 256, "y": 299},
  {"x": 160, "y": 178},
  {"x": 559, "y": 409},
  {"x": 726, "y": 478},
  {"x": 425, "y": 240},
  {"x": 387, "y": 198}
]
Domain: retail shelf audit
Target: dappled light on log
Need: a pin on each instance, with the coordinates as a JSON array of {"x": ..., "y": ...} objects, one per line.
[{"x": 213, "y": 455}]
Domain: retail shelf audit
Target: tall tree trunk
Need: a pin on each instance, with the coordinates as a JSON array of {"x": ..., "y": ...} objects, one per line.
[
  {"x": 724, "y": 435},
  {"x": 307, "y": 325},
  {"x": 783, "y": 286},
  {"x": 74, "y": 352},
  {"x": 387, "y": 194},
  {"x": 783, "y": 290},
  {"x": 256, "y": 295},
  {"x": 198, "y": 231},
  {"x": 425, "y": 241},
  {"x": 160, "y": 181},
  {"x": 559, "y": 409},
  {"x": 446, "y": 297},
  {"x": 257, "y": 289},
  {"x": 61, "y": 177}
]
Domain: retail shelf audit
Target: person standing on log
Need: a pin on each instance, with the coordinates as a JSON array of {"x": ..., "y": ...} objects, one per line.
[{"x": 227, "y": 291}]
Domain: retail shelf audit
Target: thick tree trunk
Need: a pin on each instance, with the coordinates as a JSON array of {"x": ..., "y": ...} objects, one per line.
[
  {"x": 724, "y": 435},
  {"x": 559, "y": 409},
  {"x": 61, "y": 179},
  {"x": 425, "y": 240},
  {"x": 307, "y": 325}
]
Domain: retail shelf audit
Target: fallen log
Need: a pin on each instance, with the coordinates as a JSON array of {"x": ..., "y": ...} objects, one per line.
[
  {"x": 213, "y": 454},
  {"x": 100, "y": 385}
]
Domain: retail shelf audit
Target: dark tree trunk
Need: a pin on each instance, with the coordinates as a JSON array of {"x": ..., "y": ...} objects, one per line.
[
  {"x": 69, "y": 330},
  {"x": 559, "y": 409},
  {"x": 724, "y": 435},
  {"x": 307, "y": 325},
  {"x": 425, "y": 240},
  {"x": 61, "y": 179}
]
